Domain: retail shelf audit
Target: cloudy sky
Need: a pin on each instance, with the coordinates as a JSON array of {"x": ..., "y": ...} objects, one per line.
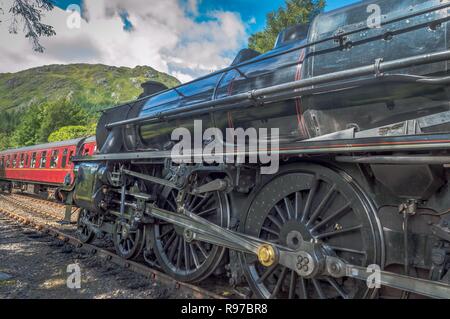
[{"x": 186, "y": 38}]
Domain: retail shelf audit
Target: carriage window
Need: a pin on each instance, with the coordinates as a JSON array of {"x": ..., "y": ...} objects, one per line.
[
  {"x": 54, "y": 159},
  {"x": 43, "y": 160},
  {"x": 14, "y": 163},
  {"x": 22, "y": 160},
  {"x": 8, "y": 161},
  {"x": 64, "y": 158},
  {"x": 2, "y": 162},
  {"x": 27, "y": 163},
  {"x": 33, "y": 160},
  {"x": 70, "y": 157}
]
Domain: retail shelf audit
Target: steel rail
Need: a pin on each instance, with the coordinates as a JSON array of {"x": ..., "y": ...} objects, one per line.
[
  {"x": 33, "y": 198},
  {"x": 33, "y": 209}
]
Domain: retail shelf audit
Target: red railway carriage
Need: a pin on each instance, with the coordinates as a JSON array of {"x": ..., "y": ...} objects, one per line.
[{"x": 44, "y": 166}]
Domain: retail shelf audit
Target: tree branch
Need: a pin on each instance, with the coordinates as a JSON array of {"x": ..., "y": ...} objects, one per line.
[{"x": 29, "y": 13}]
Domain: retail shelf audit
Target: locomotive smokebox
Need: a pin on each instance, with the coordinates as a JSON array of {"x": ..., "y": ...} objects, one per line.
[{"x": 112, "y": 141}]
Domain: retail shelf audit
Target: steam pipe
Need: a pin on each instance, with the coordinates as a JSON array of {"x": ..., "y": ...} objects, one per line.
[{"x": 400, "y": 160}]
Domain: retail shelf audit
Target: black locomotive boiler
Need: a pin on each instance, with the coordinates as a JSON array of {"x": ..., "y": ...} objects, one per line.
[{"x": 363, "y": 114}]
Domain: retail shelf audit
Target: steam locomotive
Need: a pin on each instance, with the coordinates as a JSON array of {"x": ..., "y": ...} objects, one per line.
[{"x": 360, "y": 103}]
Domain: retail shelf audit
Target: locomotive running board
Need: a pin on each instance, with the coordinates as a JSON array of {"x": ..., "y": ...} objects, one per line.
[{"x": 308, "y": 261}]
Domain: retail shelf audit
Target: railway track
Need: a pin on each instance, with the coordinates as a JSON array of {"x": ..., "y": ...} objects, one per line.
[
  {"x": 34, "y": 199},
  {"x": 33, "y": 214},
  {"x": 39, "y": 206}
]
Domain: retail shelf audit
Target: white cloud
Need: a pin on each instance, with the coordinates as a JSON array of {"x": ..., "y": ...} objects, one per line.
[
  {"x": 193, "y": 6},
  {"x": 164, "y": 36}
]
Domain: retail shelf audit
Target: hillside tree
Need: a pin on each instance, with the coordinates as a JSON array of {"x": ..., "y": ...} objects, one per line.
[
  {"x": 8, "y": 123},
  {"x": 39, "y": 121},
  {"x": 59, "y": 114},
  {"x": 71, "y": 132},
  {"x": 27, "y": 132},
  {"x": 294, "y": 12}
]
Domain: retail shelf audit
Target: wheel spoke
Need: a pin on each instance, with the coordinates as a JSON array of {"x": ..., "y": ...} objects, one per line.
[
  {"x": 169, "y": 241},
  {"x": 348, "y": 250},
  {"x": 271, "y": 231},
  {"x": 318, "y": 288},
  {"x": 189, "y": 201},
  {"x": 167, "y": 232},
  {"x": 172, "y": 206},
  {"x": 274, "y": 221},
  {"x": 289, "y": 208},
  {"x": 338, "y": 232},
  {"x": 303, "y": 292},
  {"x": 298, "y": 204},
  {"x": 186, "y": 256},
  {"x": 207, "y": 212},
  {"x": 292, "y": 284},
  {"x": 202, "y": 250},
  {"x": 180, "y": 250},
  {"x": 321, "y": 205},
  {"x": 310, "y": 198},
  {"x": 345, "y": 208},
  {"x": 280, "y": 213},
  {"x": 194, "y": 256},
  {"x": 203, "y": 201},
  {"x": 267, "y": 273},
  {"x": 173, "y": 248},
  {"x": 336, "y": 286},
  {"x": 279, "y": 283}
]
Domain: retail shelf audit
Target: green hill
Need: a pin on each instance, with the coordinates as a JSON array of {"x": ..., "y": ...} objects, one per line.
[
  {"x": 96, "y": 86},
  {"x": 61, "y": 101}
]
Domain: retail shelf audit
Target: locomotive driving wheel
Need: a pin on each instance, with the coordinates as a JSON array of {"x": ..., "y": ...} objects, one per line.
[
  {"x": 128, "y": 240},
  {"x": 317, "y": 204},
  {"x": 190, "y": 261}
]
